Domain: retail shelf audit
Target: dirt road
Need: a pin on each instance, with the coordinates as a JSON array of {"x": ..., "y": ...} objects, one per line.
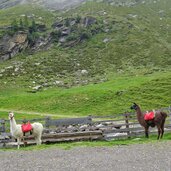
[{"x": 139, "y": 157}]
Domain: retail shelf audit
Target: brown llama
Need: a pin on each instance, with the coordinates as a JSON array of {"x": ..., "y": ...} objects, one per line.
[{"x": 158, "y": 120}]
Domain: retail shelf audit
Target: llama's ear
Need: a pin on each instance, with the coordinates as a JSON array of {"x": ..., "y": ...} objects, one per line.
[{"x": 11, "y": 112}]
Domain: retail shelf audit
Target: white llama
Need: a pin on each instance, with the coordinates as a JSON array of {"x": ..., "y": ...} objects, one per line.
[{"x": 16, "y": 130}]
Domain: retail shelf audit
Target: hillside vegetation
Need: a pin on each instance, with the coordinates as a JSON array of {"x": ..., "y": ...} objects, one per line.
[
  {"x": 112, "y": 97},
  {"x": 127, "y": 59}
]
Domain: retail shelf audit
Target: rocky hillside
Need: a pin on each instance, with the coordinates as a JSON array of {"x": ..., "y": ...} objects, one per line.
[
  {"x": 66, "y": 4},
  {"x": 83, "y": 45},
  {"x": 53, "y": 4},
  {"x": 66, "y": 32}
]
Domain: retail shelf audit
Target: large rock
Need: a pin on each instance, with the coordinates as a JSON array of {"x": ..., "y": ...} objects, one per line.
[
  {"x": 89, "y": 21},
  {"x": 10, "y": 46},
  {"x": 42, "y": 43}
]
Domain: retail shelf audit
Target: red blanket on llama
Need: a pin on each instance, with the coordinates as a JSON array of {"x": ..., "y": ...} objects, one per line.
[
  {"x": 149, "y": 116},
  {"x": 26, "y": 127}
]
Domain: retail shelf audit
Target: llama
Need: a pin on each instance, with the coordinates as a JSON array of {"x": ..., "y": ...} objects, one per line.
[
  {"x": 158, "y": 120},
  {"x": 16, "y": 130}
]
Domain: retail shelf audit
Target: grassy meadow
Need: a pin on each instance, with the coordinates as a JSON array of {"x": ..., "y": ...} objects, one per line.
[
  {"x": 127, "y": 61},
  {"x": 112, "y": 97},
  {"x": 113, "y": 143},
  {"x": 132, "y": 66}
]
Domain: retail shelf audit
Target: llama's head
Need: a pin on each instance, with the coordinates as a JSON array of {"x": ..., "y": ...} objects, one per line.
[
  {"x": 11, "y": 115},
  {"x": 134, "y": 106}
]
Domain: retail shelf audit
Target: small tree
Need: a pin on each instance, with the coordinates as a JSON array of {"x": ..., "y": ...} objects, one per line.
[
  {"x": 21, "y": 25},
  {"x": 78, "y": 19},
  {"x": 84, "y": 34},
  {"x": 32, "y": 38},
  {"x": 33, "y": 26},
  {"x": 56, "y": 35},
  {"x": 14, "y": 25},
  {"x": 26, "y": 23},
  {"x": 67, "y": 23},
  {"x": 72, "y": 36}
]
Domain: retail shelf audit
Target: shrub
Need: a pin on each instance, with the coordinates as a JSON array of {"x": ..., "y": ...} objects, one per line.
[{"x": 56, "y": 35}]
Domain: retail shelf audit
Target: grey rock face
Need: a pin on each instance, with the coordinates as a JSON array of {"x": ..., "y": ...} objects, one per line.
[
  {"x": 53, "y": 4},
  {"x": 10, "y": 46}
]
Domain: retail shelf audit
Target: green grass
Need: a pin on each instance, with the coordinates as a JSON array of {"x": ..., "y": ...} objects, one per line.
[
  {"x": 112, "y": 97},
  {"x": 17, "y": 12},
  {"x": 122, "y": 142},
  {"x": 140, "y": 43},
  {"x": 135, "y": 65},
  {"x": 20, "y": 116}
]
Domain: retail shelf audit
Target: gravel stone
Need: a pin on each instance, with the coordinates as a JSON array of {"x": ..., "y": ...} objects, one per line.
[{"x": 139, "y": 157}]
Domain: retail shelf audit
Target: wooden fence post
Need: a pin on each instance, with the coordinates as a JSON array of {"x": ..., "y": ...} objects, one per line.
[
  {"x": 2, "y": 126},
  {"x": 170, "y": 114},
  {"x": 47, "y": 122},
  {"x": 127, "y": 124}
]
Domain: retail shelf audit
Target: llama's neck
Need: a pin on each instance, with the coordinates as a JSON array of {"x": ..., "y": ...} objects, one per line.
[
  {"x": 13, "y": 125},
  {"x": 140, "y": 116}
]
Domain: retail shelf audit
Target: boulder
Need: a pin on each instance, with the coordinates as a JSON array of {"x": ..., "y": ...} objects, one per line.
[
  {"x": 11, "y": 45},
  {"x": 87, "y": 21}
]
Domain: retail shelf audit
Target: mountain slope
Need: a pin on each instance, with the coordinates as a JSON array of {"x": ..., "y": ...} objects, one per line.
[
  {"x": 126, "y": 52},
  {"x": 131, "y": 38},
  {"x": 53, "y": 4},
  {"x": 112, "y": 97}
]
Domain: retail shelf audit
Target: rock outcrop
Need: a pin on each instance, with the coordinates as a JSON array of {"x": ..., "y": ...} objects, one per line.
[
  {"x": 10, "y": 46},
  {"x": 55, "y": 4}
]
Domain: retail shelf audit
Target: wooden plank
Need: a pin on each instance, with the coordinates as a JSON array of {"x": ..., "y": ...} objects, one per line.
[
  {"x": 2, "y": 121},
  {"x": 110, "y": 120},
  {"x": 79, "y": 138},
  {"x": 2, "y": 129},
  {"x": 56, "y": 140},
  {"x": 121, "y": 130},
  {"x": 2, "y": 125},
  {"x": 135, "y": 134},
  {"x": 66, "y": 122},
  {"x": 61, "y": 135}
]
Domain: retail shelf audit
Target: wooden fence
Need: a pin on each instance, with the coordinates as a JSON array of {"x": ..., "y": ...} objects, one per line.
[{"x": 86, "y": 128}]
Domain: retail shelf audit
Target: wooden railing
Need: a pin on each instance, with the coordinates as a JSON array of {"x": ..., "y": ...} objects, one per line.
[{"x": 88, "y": 128}]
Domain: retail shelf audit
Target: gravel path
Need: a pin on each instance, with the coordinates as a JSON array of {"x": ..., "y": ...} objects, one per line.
[{"x": 139, "y": 157}]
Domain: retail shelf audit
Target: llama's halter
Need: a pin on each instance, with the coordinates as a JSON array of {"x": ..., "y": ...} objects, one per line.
[
  {"x": 11, "y": 116},
  {"x": 134, "y": 106}
]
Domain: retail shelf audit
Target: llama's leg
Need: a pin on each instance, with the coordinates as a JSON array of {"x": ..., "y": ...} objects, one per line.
[
  {"x": 162, "y": 132},
  {"x": 18, "y": 143},
  {"x": 24, "y": 142},
  {"x": 162, "y": 129},
  {"x": 159, "y": 132},
  {"x": 146, "y": 132},
  {"x": 38, "y": 140}
]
